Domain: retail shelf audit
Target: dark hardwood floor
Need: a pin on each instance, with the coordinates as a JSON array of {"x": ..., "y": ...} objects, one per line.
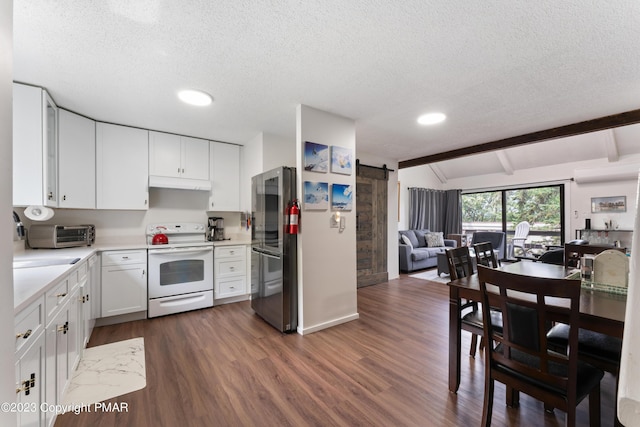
[{"x": 226, "y": 367}]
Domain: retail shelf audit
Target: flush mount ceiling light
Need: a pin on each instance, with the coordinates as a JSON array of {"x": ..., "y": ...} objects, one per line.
[
  {"x": 195, "y": 97},
  {"x": 431, "y": 118}
]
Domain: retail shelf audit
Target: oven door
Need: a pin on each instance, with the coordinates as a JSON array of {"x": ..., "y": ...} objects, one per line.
[{"x": 177, "y": 271}]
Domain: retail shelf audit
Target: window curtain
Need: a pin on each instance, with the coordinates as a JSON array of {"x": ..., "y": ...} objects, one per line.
[{"x": 436, "y": 210}]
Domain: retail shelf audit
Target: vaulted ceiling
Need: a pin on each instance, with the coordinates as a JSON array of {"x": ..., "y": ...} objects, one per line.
[
  {"x": 498, "y": 69},
  {"x": 618, "y": 146}
]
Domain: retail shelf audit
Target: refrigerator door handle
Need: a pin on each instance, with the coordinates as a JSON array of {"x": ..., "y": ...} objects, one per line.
[
  {"x": 265, "y": 253},
  {"x": 270, "y": 256}
]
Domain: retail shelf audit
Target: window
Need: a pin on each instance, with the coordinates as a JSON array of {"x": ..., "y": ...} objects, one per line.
[{"x": 502, "y": 210}]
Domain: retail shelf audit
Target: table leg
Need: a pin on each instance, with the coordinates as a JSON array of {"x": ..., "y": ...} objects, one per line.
[{"x": 455, "y": 335}]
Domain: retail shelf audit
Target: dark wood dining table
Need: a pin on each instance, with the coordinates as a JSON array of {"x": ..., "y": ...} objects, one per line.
[{"x": 599, "y": 311}]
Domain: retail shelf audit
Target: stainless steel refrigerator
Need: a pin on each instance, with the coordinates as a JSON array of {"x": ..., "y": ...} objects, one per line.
[{"x": 274, "y": 272}]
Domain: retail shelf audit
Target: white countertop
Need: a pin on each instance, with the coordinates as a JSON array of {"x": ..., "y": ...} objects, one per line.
[
  {"x": 232, "y": 242},
  {"x": 30, "y": 283}
]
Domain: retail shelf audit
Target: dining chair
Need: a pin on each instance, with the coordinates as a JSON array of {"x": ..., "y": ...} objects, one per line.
[
  {"x": 521, "y": 359},
  {"x": 485, "y": 255},
  {"x": 600, "y": 350},
  {"x": 573, "y": 252},
  {"x": 461, "y": 265},
  {"x": 553, "y": 256}
]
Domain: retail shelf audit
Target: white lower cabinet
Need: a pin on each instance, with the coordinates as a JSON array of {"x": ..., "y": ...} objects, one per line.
[
  {"x": 50, "y": 336},
  {"x": 230, "y": 271},
  {"x": 95, "y": 290},
  {"x": 124, "y": 282},
  {"x": 91, "y": 297},
  {"x": 29, "y": 367},
  {"x": 57, "y": 361},
  {"x": 29, "y": 383},
  {"x": 74, "y": 331}
]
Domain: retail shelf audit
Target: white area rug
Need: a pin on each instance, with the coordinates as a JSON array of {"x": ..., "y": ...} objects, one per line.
[
  {"x": 108, "y": 371},
  {"x": 432, "y": 275}
]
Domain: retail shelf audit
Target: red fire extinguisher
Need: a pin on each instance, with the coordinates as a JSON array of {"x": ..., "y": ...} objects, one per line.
[{"x": 293, "y": 217}]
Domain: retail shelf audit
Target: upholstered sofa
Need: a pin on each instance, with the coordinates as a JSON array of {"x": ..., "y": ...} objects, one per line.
[{"x": 418, "y": 249}]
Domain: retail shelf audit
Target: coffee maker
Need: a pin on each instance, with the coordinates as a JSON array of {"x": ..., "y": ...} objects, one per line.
[{"x": 216, "y": 228}]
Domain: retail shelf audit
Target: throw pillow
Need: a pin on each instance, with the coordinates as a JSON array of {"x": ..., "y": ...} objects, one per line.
[
  {"x": 422, "y": 241},
  {"x": 407, "y": 242},
  {"x": 434, "y": 240}
]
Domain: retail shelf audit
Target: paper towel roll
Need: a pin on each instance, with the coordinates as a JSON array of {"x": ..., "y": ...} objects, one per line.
[{"x": 38, "y": 213}]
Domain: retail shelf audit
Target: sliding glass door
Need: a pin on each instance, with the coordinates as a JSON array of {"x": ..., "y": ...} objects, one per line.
[{"x": 503, "y": 210}]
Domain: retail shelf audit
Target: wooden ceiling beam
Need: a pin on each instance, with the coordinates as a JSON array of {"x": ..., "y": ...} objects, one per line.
[
  {"x": 608, "y": 122},
  {"x": 611, "y": 146}
]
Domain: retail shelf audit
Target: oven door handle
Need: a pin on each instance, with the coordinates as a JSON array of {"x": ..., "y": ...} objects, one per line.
[{"x": 179, "y": 251}]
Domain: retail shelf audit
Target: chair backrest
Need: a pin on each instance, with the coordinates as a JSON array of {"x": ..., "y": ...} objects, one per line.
[
  {"x": 522, "y": 342},
  {"x": 522, "y": 230},
  {"x": 460, "y": 264},
  {"x": 497, "y": 239},
  {"x": 485, "y": 255},
  {"x": 573, "y": 253},
  {"x": 553, "y": 256}
]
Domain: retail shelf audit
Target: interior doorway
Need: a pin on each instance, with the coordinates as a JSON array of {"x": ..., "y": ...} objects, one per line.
[{"x": 371, "y": 224}]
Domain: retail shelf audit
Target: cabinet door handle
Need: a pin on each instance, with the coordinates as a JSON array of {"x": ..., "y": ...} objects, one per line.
[
  {"x": 61, "y": 295},
  {"x": 63, "y": 328},
  {"x": 178, "y": 170},
  {"x": 27, "y": 385},
  {"x": 24, "y": 335},
  {"x": 50, "y": 195}
]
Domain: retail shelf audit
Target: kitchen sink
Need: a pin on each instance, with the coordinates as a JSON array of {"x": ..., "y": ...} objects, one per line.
[{"x": 44, "y": 262}]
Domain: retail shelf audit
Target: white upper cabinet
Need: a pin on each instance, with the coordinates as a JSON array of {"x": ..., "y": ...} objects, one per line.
[
  {"x": 225, "y": 177},
  {"x": 178, "y": 156},
  {"x": 35, "y": 154},
  {"x": 195, "y": 158},
  {"x": 164, "y": 154},
  {"x": 122, "y": 167},
  {"x": 76, "y": 161}
]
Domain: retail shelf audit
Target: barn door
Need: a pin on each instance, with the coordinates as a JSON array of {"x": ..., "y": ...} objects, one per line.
[{"x": 371, "y": 218}]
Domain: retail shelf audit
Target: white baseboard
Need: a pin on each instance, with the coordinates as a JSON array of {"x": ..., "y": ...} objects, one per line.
[{"x": 329, "y": 324}]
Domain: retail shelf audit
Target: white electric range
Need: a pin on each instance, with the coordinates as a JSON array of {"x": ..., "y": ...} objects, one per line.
[{"x": 180, "y": 271}]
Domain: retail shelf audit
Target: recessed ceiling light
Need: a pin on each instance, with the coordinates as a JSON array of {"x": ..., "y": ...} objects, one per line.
[
  {"x": 195, "y": 97},
  {"x": 431, "y": 118}
]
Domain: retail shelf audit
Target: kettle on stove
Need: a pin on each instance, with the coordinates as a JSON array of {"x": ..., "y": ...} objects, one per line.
[{"x": 159, "y": 238}]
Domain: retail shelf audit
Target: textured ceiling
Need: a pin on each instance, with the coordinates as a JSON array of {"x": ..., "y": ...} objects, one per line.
[{"x": 496, "y": 68}]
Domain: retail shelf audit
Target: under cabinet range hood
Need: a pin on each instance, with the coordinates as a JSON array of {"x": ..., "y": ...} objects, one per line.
[{"x": 179, "y": 183}]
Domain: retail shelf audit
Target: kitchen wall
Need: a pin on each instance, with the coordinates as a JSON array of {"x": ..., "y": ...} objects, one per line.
[
  {"x": 7, "y": 338},
  {"x": 326, "y": 257},
  {"x": 165, "y": 205},
  {"x": 264, "y": 152}
]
